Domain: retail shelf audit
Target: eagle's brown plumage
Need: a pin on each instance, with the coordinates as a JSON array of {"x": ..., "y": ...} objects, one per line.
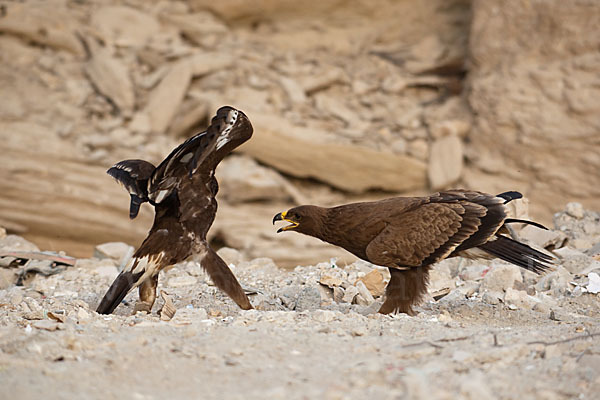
[
  {"x": 409, "y": 234},
  {"x": 182, "y": 190}
]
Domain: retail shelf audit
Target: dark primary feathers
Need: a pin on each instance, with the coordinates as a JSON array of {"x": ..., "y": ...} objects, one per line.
[
  {"x": 409, "y": 234},
  {"x": 182, "y": 189}
]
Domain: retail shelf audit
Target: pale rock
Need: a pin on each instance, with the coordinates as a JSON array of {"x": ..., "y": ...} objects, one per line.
[
  {"x": 374, "y": 282},
  {"x": 394, "y": 83},
  {"x": 454, "y": 296},
  {"x": 338, "y": 109},
  {"x": 189, "y": 118},
  {"x": 112, "y": 250},
  {"x": 501, "y": 277},
  {"x": 46, "y": 325},
  {"x": 140, "y": 123},
  {"x": 241, "y": 179},
  {"x": 349, "y": 295},
  {"x": 557, "y": 280},
  {"x": 83, "y": 315},
  {"x": 331, "y": 281},
  {"x": 17, "y": 243},
  {"x": 166, "y": 98},
  {"x": 2, "y": 233},
  {"x": 492, "y": 297},
  {"x": 418, "y": 148},
  {"x": 293, "y": 90},
  {"x": 323, "y": 315},
  {"x": 440, "y": 279},
  {"x": 338, "y": 294},
  {"x": 308, "y": 299},
  {"x": 364, "y": 293},
  {"x": 445, "y": 162},
  {"x": 202, "y": 28},
  {"x": 180, "y": 281},
  {"x": 453, "y": 127},
  {"x": 124, "y": 26},
  {"x": 520, "y": 299},
  {"x": 49, "y": 24},
  {"x": 231, "y": 256},
  {"x": 320, "y": 81},
  {"x": 298, "y": 151},
  {"x": 577, "y": 262},
  {"x": 575, "y": 210},
  {"x": 593, "y": 283},
  {"x": 109, "y": 271},
  {"x": 206, "y": 63},
  {"x": 543, "y": 238},
  {"x": 111, "y": 78},
  {"x": 473, "y": 272}
]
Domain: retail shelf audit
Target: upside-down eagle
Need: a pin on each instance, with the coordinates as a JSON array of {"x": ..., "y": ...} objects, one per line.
[
  {"x": 409, "y": 234},
  {"x": 182, "y": 190}
]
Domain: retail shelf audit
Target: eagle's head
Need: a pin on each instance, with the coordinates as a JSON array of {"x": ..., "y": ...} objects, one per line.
[{"x": 303, "y": 219}]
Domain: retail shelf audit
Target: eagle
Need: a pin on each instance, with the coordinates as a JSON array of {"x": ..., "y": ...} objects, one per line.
[
  {"x": 182, "y": 190},
  {"x": 410, "y": 234}
]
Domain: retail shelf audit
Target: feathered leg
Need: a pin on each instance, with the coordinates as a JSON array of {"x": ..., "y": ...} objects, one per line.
[
  {"x": 405, "y": 289},
  {"x": 147, "y": 292},
  {"x": 224, "y": 279}
]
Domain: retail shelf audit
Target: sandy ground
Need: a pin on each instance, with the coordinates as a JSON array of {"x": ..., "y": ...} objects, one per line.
[{"x": 499, "y": 333}]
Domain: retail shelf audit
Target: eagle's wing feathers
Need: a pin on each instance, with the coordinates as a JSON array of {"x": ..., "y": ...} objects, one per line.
[
  {"x": 205, "y": 150},
  {"x": 133, "y": 175},
  {"x": 425, "y": 234}
]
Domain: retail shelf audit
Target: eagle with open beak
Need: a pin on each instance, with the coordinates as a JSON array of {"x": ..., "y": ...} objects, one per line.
[{"x": 410, "y": 234}]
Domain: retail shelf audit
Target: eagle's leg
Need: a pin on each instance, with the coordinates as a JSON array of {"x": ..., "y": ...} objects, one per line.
[
  {"x": 224, "y": 279},
  {"x": 147, "y": 291},
  {"x": 405, "y": 289}
]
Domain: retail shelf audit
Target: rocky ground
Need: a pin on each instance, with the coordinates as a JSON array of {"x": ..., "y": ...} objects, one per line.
[{"x": 488, "y": 330}]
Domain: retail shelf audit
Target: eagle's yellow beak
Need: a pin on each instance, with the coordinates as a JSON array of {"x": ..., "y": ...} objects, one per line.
[{"x": 281, "y": 217}]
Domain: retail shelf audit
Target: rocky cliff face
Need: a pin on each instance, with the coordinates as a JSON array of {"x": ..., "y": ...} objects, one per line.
[
  {"x": 352, "y": 101},
  {"x": 534, "y": 89}
]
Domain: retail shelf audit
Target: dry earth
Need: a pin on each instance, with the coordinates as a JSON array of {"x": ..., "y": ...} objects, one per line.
[{"x": 494, "y": 332}]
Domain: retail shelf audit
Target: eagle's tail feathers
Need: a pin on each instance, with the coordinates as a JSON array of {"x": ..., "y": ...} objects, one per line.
[
  {"x": 117, "y": 291},
  {"x": 508, "y": 196},
  {"x": 518, "y": 253}
]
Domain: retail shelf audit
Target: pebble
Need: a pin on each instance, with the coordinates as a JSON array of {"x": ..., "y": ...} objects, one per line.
[
  {"x": 501, "y": 277},
  {"x": 308, "y": 299},
  {"x": 575, "y": 210},
  {"x": 349, "y": 294}
]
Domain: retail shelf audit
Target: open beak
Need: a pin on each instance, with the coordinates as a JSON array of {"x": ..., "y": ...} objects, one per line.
[{"x": 281, "y": 217}]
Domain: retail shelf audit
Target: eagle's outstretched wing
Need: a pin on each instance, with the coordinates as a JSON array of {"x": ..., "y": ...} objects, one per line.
[
  {"x": 133, "y": 175},
  {"x": 228, "y": 129}
]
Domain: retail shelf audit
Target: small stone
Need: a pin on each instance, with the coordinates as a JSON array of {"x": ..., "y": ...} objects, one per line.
[
  {"x": 350, "y": 294},
  {"x": 330, "y": 281},
  {"x": 474, "y": 272},
  {"x": 558, "y": 280},
  {"x": 364, "y": 292},
  {"x": 83, "y": 315},
  {"x": 501, "y": 277},
  {"x": 45, "y": 324},
  {"x": 374, "y": 282},
  {"x": 338, "y": 294},
  {"x": 112, "y": 250},
  {"x": 520, "y": 299},
  {"x": 543, "y": 238},
  {"x": 323, "y": 315},
  {"x": 230, "y": 255},
  {"x": 575, "y": 210},
  {"x": 308, "y": 299},
  {"x": 492, "y": 298},
  {"x": 594, "y": 283}
]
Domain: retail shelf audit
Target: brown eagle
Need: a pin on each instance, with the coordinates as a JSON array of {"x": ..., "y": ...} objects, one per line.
[
  {"x": 182, "y": 190},
  {"x": 410, "y": 234}
]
